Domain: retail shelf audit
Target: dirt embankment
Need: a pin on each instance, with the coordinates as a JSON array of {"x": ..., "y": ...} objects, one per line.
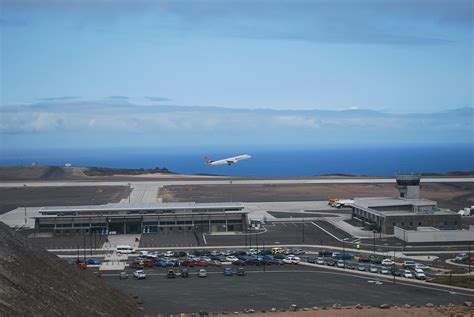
[{"x": 34, "y": 282}]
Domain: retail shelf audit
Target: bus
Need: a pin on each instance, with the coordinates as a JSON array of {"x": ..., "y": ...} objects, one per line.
[{"x": 124, "y": 249}]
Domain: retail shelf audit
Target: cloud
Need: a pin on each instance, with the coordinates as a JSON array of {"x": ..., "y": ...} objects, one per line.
[
  {"x": 158, "y": 99},
  {"x": 62, "y": 98},
  {"x": 118, "y": 97}
]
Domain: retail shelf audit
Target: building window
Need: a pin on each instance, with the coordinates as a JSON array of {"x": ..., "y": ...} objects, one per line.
[
  {"x": 394, "y": 224},
  {"x": 419, "y": 223},
  {"x": 445, "y": 223},
  {"x": 411, "y": 224},
  {"x": 455, "y": 223},
  {"x": 403, "y": 224}
]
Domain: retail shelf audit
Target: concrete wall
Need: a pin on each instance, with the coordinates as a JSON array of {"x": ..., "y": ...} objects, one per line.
[{"x": 434, "y": 236}]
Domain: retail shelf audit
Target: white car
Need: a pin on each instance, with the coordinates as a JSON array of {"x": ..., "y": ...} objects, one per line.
[
  {"x": 420, "y": 274},
  {"x": 320, "y": 260},
  {"x": 407, "y": 274},
  {"x": 421, "y": 266},
  {"x": 202, "y": 273},
  {"x": 340, "y": 264},
  {"x": 387, "y": 262},
  {"x": 169, "y": 254},
  {"x": 140, "y": 274},
  {"x": 291, "y": 259},
  {"x": 231, "y": 258},
  {"x": 252, "y": 252},
  {"x": 384, "y": 270}
]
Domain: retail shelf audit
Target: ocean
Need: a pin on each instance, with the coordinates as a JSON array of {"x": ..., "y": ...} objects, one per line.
[{"x": 282, "y": 162}]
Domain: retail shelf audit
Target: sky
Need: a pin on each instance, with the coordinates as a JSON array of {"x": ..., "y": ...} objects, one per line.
[{"x": 155, "y": 73}]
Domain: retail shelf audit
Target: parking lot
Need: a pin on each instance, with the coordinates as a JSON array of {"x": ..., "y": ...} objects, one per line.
[{"x": 278, "y": 286}]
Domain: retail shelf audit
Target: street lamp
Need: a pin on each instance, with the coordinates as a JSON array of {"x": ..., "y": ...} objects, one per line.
[
  {"x": 374, "y": 239},
  {"x": 344, "y": 251},
  {"x": 129, "y": 192}
]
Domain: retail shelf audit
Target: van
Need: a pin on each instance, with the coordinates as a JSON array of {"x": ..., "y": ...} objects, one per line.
[
  {"x": 124, "y": 249},
  {"x": 277, "y": 250}
]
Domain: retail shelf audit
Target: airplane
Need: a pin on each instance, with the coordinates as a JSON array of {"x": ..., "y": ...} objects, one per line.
[{"x": 228, "y": 161}]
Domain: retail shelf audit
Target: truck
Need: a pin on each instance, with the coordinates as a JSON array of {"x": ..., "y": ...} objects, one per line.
[{"x": 339, "y": 203}]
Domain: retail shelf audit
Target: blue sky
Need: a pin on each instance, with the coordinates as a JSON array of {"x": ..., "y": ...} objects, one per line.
[{"x": 61, "y": 62}]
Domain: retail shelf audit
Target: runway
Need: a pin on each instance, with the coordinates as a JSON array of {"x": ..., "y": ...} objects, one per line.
[{"x": 220, "y": 181}]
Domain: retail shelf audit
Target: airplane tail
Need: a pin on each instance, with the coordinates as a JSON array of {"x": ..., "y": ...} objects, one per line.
[{"x": 208, "y": 159}]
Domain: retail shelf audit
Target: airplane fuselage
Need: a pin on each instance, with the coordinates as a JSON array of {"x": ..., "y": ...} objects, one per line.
[{"x": 230, "y": 160}]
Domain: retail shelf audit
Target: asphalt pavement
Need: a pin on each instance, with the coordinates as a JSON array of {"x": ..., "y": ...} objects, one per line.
[{"x": 279, "y": 287}]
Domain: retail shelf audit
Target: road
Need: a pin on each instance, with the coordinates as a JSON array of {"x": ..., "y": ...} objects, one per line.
[
  {"x": 279, "y": 288},
  {"x": 218, "y": 181}
]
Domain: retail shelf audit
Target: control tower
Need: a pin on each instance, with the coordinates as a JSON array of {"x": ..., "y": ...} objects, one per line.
[{"x": 409, "y": 185}]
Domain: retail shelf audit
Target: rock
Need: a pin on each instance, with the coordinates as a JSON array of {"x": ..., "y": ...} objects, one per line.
[
  {"x": 325, "y": 308},
  {"x": 236, "y": 313},
  {"x": 225, "y": 313},
  {"x": 203, "y": 313},
  {"x": 336, "y": 306},
  {"x": 273, "y": 310},
  {"x": 263, "y": 311},
  {"x": 293, "y": 307},
  {"x": 283, "y": 310},
  {"x": 406, "y": 306},
  {"x": 141, "y": 308},
  {"x": 358, "y": 306},
  {"x": 305, "y": 309},
  {"x": 139, "y": 302},
  {"x": 369, "y": 306},
  {"x": 468, "y": 304},
  {"x": 316, "y": 308},
  {"x": 384, "y": 306},
  {"x": 430, "y": 305},
  {"x": 250, "y": 311}
]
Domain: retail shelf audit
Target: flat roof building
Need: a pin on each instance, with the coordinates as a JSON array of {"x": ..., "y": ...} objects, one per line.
[
  {"x": 383, "y": 214},
  {"x": 141, "y": 218}
]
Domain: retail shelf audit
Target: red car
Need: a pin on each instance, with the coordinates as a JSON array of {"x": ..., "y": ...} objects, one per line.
[
  {"x": 148, "y": 263},
  {"x": 187, "y": 263},
  {"x": 137, "y": 265},
  {"x": 201, "y": 263}
]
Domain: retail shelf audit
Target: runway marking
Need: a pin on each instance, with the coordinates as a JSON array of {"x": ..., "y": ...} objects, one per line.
[{"x": 326, "y": 231}]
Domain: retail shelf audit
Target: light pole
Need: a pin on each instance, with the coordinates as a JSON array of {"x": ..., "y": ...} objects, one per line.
[
  {"x": 469, "y": 258},
  {"x": 129, "y": 192},
  {"x": 24, "y": 186},
  {"x": 344, "y": 251},
  {"x": 374, "y": 240},
  {"x": 303, "y": 228}
]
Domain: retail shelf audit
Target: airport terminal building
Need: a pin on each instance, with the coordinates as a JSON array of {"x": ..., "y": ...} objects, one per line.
[{"x": 141, "y": 218}]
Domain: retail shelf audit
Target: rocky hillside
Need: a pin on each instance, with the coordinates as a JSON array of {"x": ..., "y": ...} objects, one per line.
[{"x": 34, "y": 282}]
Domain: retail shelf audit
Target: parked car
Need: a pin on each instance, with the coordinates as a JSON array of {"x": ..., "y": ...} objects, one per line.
[
  {"x": 148, "y": 263},
  {"x": 231, "y": 258},
  {"x": 407, "y": 274},
  {"x": 241, "y": 271},
  {"x": 375, "y": 259},
  {"x": 123, "y": 275},
  {"x": 215, "y": 263},
  {"x": 139, "y": 274},
  {"x": 291, "y": 260},
  {"x": 137, "y": 265},
  {"x": 461, "y": 257},
  {"x": 395, "y": 271},
  {"x": 361, "y": 267},
  {"x": 343, "y": 256},
  {"x": 184, "y": 272},
  {"x": 421, "y": 266},
  {"x": 341, "y": 264},
  {"x": 94, "y": 262},
  {"x": 319, "y": 260},
  {"x": 373, "y": 269},
  {"x": 171, "y": 274},
  {"x": 325, "y": 253},
  {"x": 277, "y": 250},
  {"x": 161, "y": 263},
  {"x": 409, "y": 264},
  {"x": 351, "y": 266},
  {"x": 227, "y": 271},
  {"x": 201, "y": 263},
  {"x": 311, "y": 259},
  {"x": 420, "y": 274},
  {"x": 298, "y": 251},
  {"x": 202, "y": 273},
  {"x": 387, "y": 262},
  {"x": 364, "y": 258},
  {"x": 215, "y": 253},
  {"x": 330, "y": 262},
  {"x": 239, "y": 262},
  {"x": 169, "y": 254},
  {"x": 384, "y": 270}
]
